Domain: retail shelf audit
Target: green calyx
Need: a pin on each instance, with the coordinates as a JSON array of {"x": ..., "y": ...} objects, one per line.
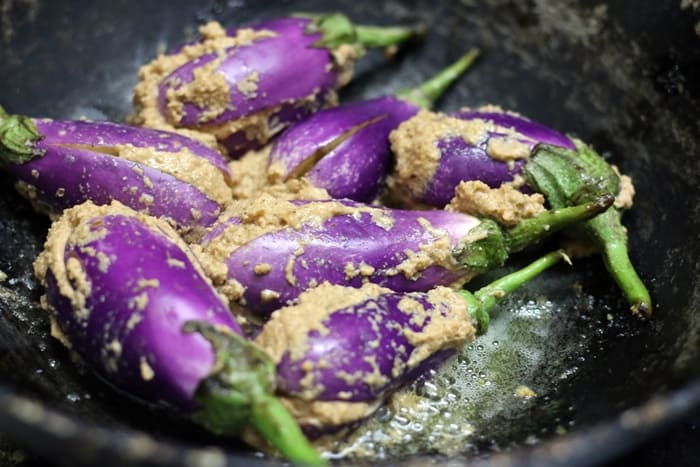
[
  {"x": 241, "y": 374},
  {"x": 483, "y": 249},
  {"x": 567, "y": 177},
  {"x": 18, "y": 135},
  {"x": 240, "y": 392},
  {"x": 336, "y": 29}
]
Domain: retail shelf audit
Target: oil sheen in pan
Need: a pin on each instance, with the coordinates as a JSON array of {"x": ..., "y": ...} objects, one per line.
[{"x": 484, "y": 398}]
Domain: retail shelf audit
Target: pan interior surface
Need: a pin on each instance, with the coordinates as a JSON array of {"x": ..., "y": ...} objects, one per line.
[{"x": 564, "y": 354}]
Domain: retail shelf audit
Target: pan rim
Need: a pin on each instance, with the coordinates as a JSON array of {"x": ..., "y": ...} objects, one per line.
[{"x": 44, "y": 431}]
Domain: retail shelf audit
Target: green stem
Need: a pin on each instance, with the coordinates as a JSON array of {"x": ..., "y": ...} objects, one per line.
[
  {"x": 240, "y": 390},
  {"x": 384, "y": 36},
  {"x": 529, "y": 231},
  {"x": 490, "y": 294},
  {"x": 488, "y": 245},
  {"x": 18, "y": 135},
  {"x": 483, "y": 300},
  {"x": 567, "y": 177},
  {"x": 612, "y": 240},
  {"x": 336, "y": 29},
  {"x": 279, "y": 428},
  {"x": 430, "y": 91}
]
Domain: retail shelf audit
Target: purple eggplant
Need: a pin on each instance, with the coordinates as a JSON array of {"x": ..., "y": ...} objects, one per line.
[
  {"x": 128, "y": 297},
  {"x": 245, "y": 85},
  {"x": 435, "y": 153},
  {"x": 64, "y": 163},
  {"x": 264, "y": 252},
  {"x": 340, "y": 352},
  {"x": 345, "y": 149}
]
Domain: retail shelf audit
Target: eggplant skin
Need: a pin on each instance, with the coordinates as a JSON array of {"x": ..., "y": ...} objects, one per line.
[
  {"x": 299, "y": 69},
  {"x": 265, "y": 252},
  {"x": 241, "y": 87},
  {"x": 161, "y": 173},
  {"x": 119, "y": 288},
  {"x": 434, "y": 152},
  {"x": 354, "y": 141},
  {"x": 351, "y": 348}
]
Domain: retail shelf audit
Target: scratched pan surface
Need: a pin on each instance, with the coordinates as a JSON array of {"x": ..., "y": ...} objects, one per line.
[{"x": 625, "y": 79}]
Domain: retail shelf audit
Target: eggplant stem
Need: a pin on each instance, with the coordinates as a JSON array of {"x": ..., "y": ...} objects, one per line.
[
  {"x": 494, "y": 244},
  {"x": 426, "y": 94},
  {"x": 612, "y": 240},
  {"x": 483, "y": 300},
  {"x": 529, "y": 231},
  {"x": 336, "y": 29},
  {"x": 271, "y": 419},
  {"x": 490, "y": 294},
  {"x": 240, "y": 391},
  {"x": 565, "y": 177},
  {"x": 384, "y": 36}
]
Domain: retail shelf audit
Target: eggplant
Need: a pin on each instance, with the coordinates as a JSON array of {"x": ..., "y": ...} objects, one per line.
[
  {"x": 128, "y": 297},
  {"x": 61, "y": 163},
  {"x": 264, "y": 252},
  {"x": 340, "y": 352},
  {"x": 435, "y": 153},
  {"x": 345, "y": 149},
  {"x": 245, "y": 85}
]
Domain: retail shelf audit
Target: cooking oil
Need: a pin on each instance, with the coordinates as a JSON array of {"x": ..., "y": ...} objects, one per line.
[{"x": 482, "y": 394}]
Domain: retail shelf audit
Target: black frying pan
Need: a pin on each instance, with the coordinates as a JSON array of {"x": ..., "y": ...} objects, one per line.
[{"x": 622, "y": 75}]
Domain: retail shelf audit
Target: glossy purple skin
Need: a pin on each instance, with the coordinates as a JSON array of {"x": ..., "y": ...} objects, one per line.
[
  {"x": 290, "y": 69},
  {"x": 461, "y": 161},
  {"x": 105, "y": 134},
  {"x": 238, "y": 143},
  {"x": 528, "y": 128},
  {"x": 346, "y": 347},
  {"x": 76, "y": 167},
  {"x": 340, "y": 240},
  {"x": 356, "y": 168},
  {"x": 432, "y": 362},
  {"x": 179, "y": 360}
]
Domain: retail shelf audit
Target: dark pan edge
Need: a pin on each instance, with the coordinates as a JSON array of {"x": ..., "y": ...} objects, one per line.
[{"x": 68, "y": 441}]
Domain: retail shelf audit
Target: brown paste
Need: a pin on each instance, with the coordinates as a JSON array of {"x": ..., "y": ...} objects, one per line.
[
  {"x": 504, "y": 204},
  {"x": 151, "y": 76},
  {"x": 446, "y": 325},
  {"x": 210, "y": 90},
  {"x": 185, "y": 166},
  {"x": 417, "y": 156},
  {"x": 77, "y": 228},
  {"x": 251, "y": 177},
  {"x": 288, "y": 327},
  {"x": 269, "y": 212},
  {"x": 625, "y": 194}
]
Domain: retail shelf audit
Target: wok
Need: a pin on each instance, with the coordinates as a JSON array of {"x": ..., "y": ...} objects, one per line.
[{"x": 623, "y": 76}]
